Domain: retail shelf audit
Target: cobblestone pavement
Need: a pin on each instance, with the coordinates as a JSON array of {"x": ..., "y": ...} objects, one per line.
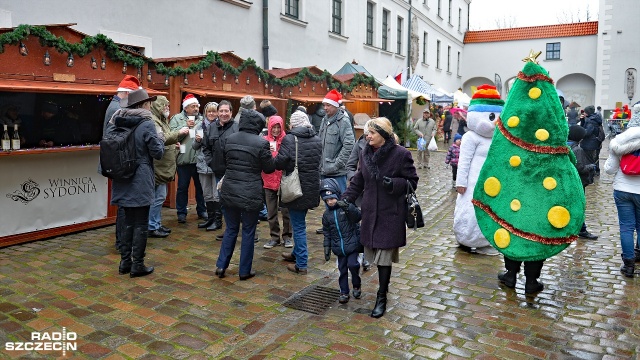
[{"x": 444, "y": 303}]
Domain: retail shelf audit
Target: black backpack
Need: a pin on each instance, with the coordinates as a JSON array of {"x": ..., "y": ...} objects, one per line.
[{"x": 118, "y": 158}]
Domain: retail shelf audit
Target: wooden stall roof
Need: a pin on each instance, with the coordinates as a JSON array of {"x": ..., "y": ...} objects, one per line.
[
  {"x": 283, "y": 73},
  {"x": 316, "y": 99},
  {"x": 62, "y": 87},
  {"x": 229, "y": 94}
]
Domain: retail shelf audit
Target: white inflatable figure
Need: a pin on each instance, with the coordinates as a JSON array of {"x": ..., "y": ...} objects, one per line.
[{"x": 484, "y": 110}]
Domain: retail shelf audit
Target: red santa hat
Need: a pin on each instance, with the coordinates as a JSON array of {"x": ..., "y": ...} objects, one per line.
[
  {"x": 129, "y": 83},
  {"x": 188, "y": 100},
  {"x": 333, "y": 97}
]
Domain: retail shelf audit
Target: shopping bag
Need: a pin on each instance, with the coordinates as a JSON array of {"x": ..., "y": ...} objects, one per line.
[{"x": 432, "y": 145}]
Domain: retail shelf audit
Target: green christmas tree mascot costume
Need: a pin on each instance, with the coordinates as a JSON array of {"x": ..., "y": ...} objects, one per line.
[{"x": 529, "y": 200}]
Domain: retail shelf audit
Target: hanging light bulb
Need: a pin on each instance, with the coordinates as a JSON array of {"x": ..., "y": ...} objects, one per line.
[
  {"x": 23, "y": 49},
  {"x": 271, "y": 91},
  {"x": 186, "y": 81},
  {"x": 266, "y": 86},
  {"x": 94, "y": 63},
  {"x": 313, "y": 87},
  {"x": 224, "y": 76},
  {"x": 47, "y": 58},
  {"x": 290, "y": 92},
  {"x": 149, "y": 75},
  {"x": 124, "y": 68},
  {"x": 237, "y": 79},
  {"x": 300, "y": 88},
  {"x": 201, "y": 74},
  {"x": 213, "y": 78},
  {"x": 247, "y": 80},
  {"x": 166, "y": 80},
  {"x": 70, "y": 60},
  {"x": 281, "y": 93},
  {"x": 139, "y": 73},
  {"x": 305, "y": 83},
  {"x": 103, "y": 64},
  {"x": 259, "y": 79}
]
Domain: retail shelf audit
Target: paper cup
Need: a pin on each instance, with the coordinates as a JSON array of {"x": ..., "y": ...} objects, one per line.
[
  {"x": 183, "y": 148},
  {"x": 272, "y": 144},
  {"x": 200, "y": 132},
  {"x": 192, "y": 133}
]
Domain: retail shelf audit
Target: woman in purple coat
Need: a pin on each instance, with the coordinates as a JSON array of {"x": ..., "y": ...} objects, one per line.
[{"x": 385, "y": 169}]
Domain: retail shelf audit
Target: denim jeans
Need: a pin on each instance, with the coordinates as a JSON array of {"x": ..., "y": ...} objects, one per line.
[
  {"x": 348, "y": 264},
  {"x": 185, "y": 174},
  {"x": 233, "y": 218},
  {"x": 628, "y": 205},
  {"x": 299, "y": 226},
  {"x": 155, "y": 211}
]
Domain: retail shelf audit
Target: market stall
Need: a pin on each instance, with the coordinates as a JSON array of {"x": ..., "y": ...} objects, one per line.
[
  {"x": 55, "y": 85},
  {"x": 211, "y": 77},
  {"x": 362, "y": 94}
]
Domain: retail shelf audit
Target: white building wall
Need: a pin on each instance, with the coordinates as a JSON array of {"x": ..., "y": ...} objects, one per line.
[
  {"x": 168, "y": 29},
  {"x": 481, "y": 61}
]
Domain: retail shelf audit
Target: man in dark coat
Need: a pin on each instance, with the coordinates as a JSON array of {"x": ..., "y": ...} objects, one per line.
[
  {"x": 129, "y": 83},
  {"x": 316, "y": 118},
  {"x": 591, "y": 143},
  {"x": 309, "y": 156},
  {"x": 136, "y": 195},
  {"x": 585, "y": 168},
  {"x": 247, "y": 155}
]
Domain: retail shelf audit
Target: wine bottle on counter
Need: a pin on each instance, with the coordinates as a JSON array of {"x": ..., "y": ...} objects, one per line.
[
  {"x": 15, "y": 141},
  {"x": 6, "y": 140}
]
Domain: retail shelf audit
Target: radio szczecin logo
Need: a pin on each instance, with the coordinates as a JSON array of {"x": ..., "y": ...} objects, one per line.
[{"x": 46, "y": 341}]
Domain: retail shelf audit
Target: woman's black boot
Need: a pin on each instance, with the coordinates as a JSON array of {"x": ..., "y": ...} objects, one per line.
[
  {"x": 384, "y": 276},
  {"x": 210, "y": 215}
]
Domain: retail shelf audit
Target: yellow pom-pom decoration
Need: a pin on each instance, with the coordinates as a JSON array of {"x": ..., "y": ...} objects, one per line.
[
  {"x": 558, "y": 217},
  {"x": 549, "y": 183},
  {"x": 502, "y": 238},
  {"x": 513, "y": 121},
  {"x": 535, "y": 93},
  {"x": 515, "y": 205},
  {"x": 542, "y": 134},
  {"x": 515, "y": 161},
  {"x": 492, "y": 186}
]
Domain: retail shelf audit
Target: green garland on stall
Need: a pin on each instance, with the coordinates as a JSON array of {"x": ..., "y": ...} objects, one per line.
[
  {"x": 114, "y": 52},
  {"x": 59, "y": 43}
]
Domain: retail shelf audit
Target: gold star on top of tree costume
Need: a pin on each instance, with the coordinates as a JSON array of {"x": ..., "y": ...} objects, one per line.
[
  {"x": 533, "y": 56},
  {"x": 529, "y": 200}
]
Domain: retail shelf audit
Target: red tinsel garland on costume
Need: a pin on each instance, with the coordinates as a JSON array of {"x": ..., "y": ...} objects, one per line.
[
  {"x": 528, "y": 146},
  {"x": 523, "y": 234},
  {"x": 533, "y": 78}
]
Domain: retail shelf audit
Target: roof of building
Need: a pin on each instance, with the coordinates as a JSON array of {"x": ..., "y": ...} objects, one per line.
[
  {"x": 532, "y": 32},
  {"x": 281, "y": 73}
]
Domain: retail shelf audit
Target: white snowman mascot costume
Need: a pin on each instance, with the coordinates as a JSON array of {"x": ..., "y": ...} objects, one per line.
[{"x": 484, "y": 110}]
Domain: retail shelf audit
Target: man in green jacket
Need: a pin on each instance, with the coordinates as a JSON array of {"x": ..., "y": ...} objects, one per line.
[
  {"x": 187, "y": 170},
  {"x": 165, "y": 168}
]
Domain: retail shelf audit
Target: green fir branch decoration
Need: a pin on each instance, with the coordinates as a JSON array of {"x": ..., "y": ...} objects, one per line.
[{"x": 114, "y": 52}]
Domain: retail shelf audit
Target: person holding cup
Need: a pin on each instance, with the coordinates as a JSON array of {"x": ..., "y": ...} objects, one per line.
[
  {"x": 186, "y": 162},
  {"x": 207, "y": 177}
]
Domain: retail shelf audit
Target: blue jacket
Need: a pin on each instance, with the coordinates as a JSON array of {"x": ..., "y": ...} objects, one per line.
[{"x": 341, "y": 228}]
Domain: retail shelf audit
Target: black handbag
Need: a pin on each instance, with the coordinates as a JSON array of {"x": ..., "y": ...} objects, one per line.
[{"x": 414, "y": 212}]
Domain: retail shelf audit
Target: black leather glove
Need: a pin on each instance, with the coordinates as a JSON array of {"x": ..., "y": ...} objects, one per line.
[
  {"x": 343, "y": 204},
  {"x": 327, "y": 253},
  {"x": 387, "y": 183}
]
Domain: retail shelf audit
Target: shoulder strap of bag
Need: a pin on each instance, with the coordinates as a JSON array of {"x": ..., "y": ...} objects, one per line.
[{"x": 296, "y": 138}]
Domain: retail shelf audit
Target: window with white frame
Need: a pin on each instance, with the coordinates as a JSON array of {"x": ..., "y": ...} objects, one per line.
[
  {"x": 439, "y": 8},
  {"x": 459, "y": 19},
  {"x": 370, "y": 8},
  {"x": 448, "y": 58},
  {"x": 292, "y": 8},
  {"x": 399, "y": 37},
  {"x": 385, "y": 29},
  {"x": 450, "y": 8},
  {"x": 458, "y": 65},
  {"x": 425, "y": 42},
  {"x": 336, "y": 17},
  {"x": 438, "y": 54},
  {"x": 553, "y": 51}
]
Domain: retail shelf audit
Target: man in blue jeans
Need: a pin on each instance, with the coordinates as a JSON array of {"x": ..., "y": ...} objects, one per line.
[
  {"x": 189, "y": 117},
  {"x": 337, "y": 140}
]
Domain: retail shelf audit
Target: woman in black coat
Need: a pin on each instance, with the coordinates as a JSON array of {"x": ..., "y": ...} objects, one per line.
[
  {"x": 446, "y": 126},
  {"x": 309, "y": 155},
  {"x": 246, "y": 155},
  {"x": 385, "y": 169}
]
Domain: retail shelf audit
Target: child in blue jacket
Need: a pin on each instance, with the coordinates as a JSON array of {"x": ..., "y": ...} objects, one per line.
[{"x": 342, "y": 236}]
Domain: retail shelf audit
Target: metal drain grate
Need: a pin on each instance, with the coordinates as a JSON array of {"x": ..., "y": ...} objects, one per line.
[{"x": 314, "y": 299}]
